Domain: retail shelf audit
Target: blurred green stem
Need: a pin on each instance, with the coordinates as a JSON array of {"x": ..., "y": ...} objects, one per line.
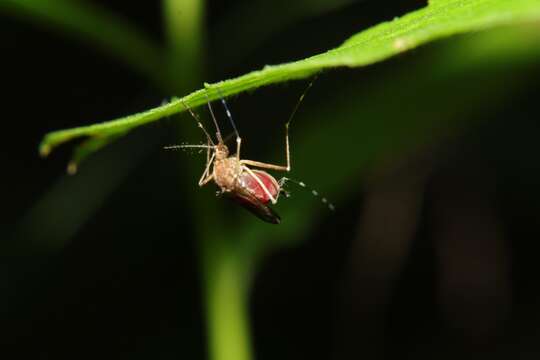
[
  {"x": 224, "y": 283},
  {"x": 226, "y": 300},
  {"x": 184, "y": 28}
]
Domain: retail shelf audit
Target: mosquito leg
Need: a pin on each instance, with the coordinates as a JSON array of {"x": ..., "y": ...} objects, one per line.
[
  {"x": 287, "y": 154},
  {"x": 229, "y": 115},
  {"x": 199, "y": 123},
  {"x": 207, "y": 153},
  {"x": 177, "y": 147},
  {"x": 238, "y": 138},
  {"x": 238, "y": 144},
  {"x": 265, "y": 165},
  {"x": 205, "y": 181},
  {"x": 287, "y": 150},
  {"x": 282, "y": 181},
  {"x": 314, "y": 192},
  {"x": 205, "y": 178},
  {"x": 259, "y": 181},
  {"x": 218, "y": 131}
]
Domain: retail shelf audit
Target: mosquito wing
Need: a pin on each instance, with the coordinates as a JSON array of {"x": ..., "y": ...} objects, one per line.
[{"x": 255, "y": 206}]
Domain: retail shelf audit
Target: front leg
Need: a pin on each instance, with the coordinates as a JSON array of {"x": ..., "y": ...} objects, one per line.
[
  {"x": 205, "y": 178},
  {"x": 205, "y": 181}
]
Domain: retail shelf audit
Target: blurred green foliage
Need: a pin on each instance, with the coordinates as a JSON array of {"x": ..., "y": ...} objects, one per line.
[{"x": 90, "y": 23}]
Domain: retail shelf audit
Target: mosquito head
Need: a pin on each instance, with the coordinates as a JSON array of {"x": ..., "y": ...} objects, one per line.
[{"x": 222, "y": 151}]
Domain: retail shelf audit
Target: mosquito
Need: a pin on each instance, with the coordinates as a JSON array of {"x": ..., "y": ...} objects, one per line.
[{"x": 244, "y": 181}]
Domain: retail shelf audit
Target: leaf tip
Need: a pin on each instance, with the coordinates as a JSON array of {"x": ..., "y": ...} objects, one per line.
[{"x": 44, "y": 150}]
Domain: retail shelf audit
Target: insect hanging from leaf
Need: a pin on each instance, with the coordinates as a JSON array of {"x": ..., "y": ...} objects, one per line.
[{"x": 242, "y": 180}]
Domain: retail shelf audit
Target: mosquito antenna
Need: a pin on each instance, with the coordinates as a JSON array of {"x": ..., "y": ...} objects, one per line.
[
  {"x": 218, "y": 132},
  {"x": 228, "y": 112},
  {"x": 300, "y": 100},
  {"x": 178, "y": 147},
  {"x": 199, "y": 123},
  {"x": 324, "y": 200}
]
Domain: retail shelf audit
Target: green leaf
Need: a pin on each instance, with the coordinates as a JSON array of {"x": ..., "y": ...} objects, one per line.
[{"x": 440, "y": 19}]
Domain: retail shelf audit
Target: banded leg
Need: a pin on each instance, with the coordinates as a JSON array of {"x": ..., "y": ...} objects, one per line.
[
  {"x": 283, "y": 180},
  {"x": 218, "y": 131},
  {"x": 229, "y": 115}
]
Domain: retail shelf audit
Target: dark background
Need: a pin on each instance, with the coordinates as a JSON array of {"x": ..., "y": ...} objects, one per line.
[{"x": 433, "y": 255}]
